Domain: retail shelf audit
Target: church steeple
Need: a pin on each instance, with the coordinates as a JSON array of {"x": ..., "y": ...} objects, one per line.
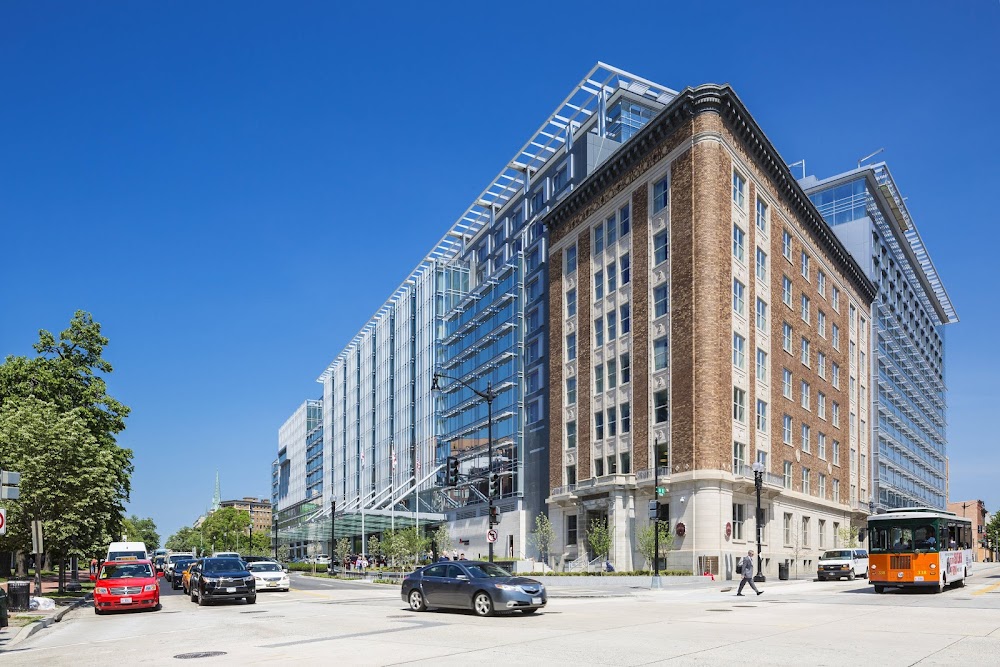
[{"x": 217, "y": 496}]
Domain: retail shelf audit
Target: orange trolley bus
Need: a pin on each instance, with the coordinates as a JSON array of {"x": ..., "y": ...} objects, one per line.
[{"x": 919, "y": 546}]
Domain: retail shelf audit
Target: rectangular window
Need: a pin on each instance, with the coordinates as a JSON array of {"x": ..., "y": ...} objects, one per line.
[
  {"x": 761, "y": 265},
  {"x": 533, "y": 350},
  {"x": 660, "y": 248},
  {"x": 761, "y": 365},
  {"x": 571, "y": 259},
  {"x": 612, "y": 326},
  {"x": 612, "y": 422},
  {"x": 806, "y": 434},
  {"x": 571, "y": 435},
  {"x": 804, "y": 354},
  {"x": 761, "y": 416},
  {"x": 661, "y": 353},
  {"x": 625, "y": 311},
  {"x": 660, "y": 411},
  {"x": 835, "y": 413},
  {"x": 534, "y": 289},
  {"x": 835, "y": 298},
  {"x": 739, "y": 297},
  {"x": 571, "y": 481},
  {"x": 661, "y": 301},
  {"x": 787, "y": 480},
  {"x": 532, "y": 381},
  {"x": 537, "y": 201},
  {"x": 598, "y": 285},
  {"x": 624, "y": 220},
  {"x": 786, "y": 429},
  {"x": 805, "y": 265},
  {"x": 611, "y": 231},
  {"x": 740, "y": 405},
  {"x": 786, "y": 290},
  {"x": 570, "y": 391},
  {"x": 786, "y": 524},
  {"x": 739, "y": 518},
  {"x": 739, "y": 456},
  {"x": 786, "y": 245},
  {"x": 599, "y": 331},
  {"x": 835, "y": 330},
  {"x": 626, "y": 411},
  {"x": 626, "y": 366},
  {"x": 835, "y": 454},
  {"x": 739, "y": 351},
  {"x": 612, "y": 278},
  {"x": 821, "y": 283},
  {"x": 739, "y": 244},
  {"x": 835, "y": 369},
  {"x": 661, "y": 195},
  {"x": 626, "y": 461},
  {"x": 598, "y": 425},
  {"x": 836, "y": 490},
  {"x": 571, "y": 303},
  {"x": 612, "y": 466},
  {"x": 534, "y": 320},
  {"x": 786, "y": 383},
  {"x": 805, "y": 528},
  {"x": 571, "y": 519},
  {"x": 805, "y": 308},
  {"x": 805, "y": 489},
  {"x": 571, "y": 347},
  {"x": 761, "y": 314},
  {"x": 599, "y": 378},
  {"x": 821, "y": 446},
  {"x": 821, "y": 405},
  {"x": 598, "y": 239},
  {"x": 821, "y": 323},
  {"x": 598, "y": 467},
  {"x": 821, "y": 364},
  {"x": 852, "y": 315},
  {"x": 786, "y": 337},
  {"x": 739, "y": 189},
  {"x": 761, "y": 215},
  {"x": 625, "y": 266},
  {"x": 612, "y": 373},
  {"x": 805, "y": 395},
  {"x": 821, "y": 524}
]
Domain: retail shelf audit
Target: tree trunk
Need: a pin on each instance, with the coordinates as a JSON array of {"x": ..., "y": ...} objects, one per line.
[
  {"x": 62, "y": 574},
  {"x": 5, "y": 560},
  {"x": 21, "y": 559}
]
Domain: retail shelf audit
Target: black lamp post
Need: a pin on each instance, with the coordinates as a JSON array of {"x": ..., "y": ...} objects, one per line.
[
  {"x": 758, "y": 482},
  {"x": 275, "y": 517},
  {"x": 250, "y": 547},
  {"x": 333, "y": 533},
  {"x": 487, "y": 396}
]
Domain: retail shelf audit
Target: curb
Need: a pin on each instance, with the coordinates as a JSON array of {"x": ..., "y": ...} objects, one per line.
[{"x": 56, "y": 617}]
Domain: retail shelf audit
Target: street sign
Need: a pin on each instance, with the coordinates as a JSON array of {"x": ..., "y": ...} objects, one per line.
[
  {"x": 10, "y": 478},
  {"x": 3, "y": 521},
  {"x": 491, "y": 535},
  {"x": 661, "y": 490},
  {"x": 9, "y": 493},
  {"x": 37, "y": 546}
]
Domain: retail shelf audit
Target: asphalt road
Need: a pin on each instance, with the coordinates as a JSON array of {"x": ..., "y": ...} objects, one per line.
[{"x": 792, "y": 623}]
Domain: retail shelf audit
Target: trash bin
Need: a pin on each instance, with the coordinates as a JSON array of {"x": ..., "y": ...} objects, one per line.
[
  {"x": 18, "y": 595},
  {"x": 783, "y": 571},
  {"x": 3, "y": 608}
]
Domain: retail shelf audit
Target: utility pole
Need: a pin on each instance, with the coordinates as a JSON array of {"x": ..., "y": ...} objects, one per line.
[{"x": 333, "y": 532}]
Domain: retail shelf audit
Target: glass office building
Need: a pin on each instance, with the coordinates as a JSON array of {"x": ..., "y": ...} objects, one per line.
[{"x": 909, "y": 457}]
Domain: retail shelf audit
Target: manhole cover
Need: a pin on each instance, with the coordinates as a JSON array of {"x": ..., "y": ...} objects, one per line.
[
  {"x": 199, "y": 654},
  {"x": 255, "y": 611},
  {"x": 718, "y": 610}
]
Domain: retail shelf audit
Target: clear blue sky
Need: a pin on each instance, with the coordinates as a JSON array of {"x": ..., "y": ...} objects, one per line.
[{"x": 232, "y": 188}]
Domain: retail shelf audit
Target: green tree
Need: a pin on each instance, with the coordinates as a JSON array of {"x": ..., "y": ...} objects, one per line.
[
  {"x": 185, "y": 539},
  {"x": 848, "y": 537},
  {"x": 543, "y": 536},
  {"x": 342, "y": 551},
  {"x": 374, "y": 546},
  {"x": 226, "y": 529},
  {"x": 142, "y": 530},
  {"x": 599, "y": 538},
  {"x": 442, "y": 539},
  {"x": 646, "y": 537}
]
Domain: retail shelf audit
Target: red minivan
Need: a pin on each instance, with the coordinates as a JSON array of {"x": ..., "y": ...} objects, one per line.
[{"x": 126, "y": 584}]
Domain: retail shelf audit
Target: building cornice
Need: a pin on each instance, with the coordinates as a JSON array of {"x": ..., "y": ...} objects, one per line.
[{"x": 723, "y": 101}]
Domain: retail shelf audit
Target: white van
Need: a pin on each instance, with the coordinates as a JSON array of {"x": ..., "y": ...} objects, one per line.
[
  {"x": 838, "y": 563},
  {"x": 127, "y": 551}
]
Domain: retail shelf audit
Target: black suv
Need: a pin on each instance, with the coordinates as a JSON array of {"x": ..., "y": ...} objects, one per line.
[{"x": 220, "y": 579}]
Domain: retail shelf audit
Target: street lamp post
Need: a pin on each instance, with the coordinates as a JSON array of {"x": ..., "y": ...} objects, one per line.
[
  {"x": 250, "y": 546},
  {"x": 275, "y": 537},
  {"x": 487, "y": 396},
  {"x": 758, "y": 482},
  {"x": 333, "y": 533}
]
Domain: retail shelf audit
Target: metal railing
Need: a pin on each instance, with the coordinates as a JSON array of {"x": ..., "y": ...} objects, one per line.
[{"x": 648, "y": 476}]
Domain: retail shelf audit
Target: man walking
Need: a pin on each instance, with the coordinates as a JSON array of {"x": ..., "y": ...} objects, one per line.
[{"x": 746, "y": 569}]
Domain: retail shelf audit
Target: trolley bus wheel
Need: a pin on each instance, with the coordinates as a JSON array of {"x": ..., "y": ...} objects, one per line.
[
  {"x": 879, "y": 589},
  {"x": 942, "y": 584}
]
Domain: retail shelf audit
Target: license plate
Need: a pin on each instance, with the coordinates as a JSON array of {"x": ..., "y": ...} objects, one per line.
[
  {"x": 231, "y": 590},
  {"x": 273, "y": 584},
  {"x": 126, "y": 600},
  {"x": 536, "y": 600}
]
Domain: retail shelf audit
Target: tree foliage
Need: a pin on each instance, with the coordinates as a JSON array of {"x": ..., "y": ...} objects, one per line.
[
  {"x": 848, "y": 537},
  {"x": 543, "y": 536},
  {"x": 342, "y": 551},
  {"x": 141, "y": 530},
  {"x": 646, "y": 537},
  {"x": 442, "y": 539},
  {"x": 403, "y": 545},
  {"x": 599, "y": 537},
  {"x": 59, "y": 431},
  {"x": 226, "y": 529},
  {"x": 184, "y": 540},
  {"x": 374, "y": 546}
]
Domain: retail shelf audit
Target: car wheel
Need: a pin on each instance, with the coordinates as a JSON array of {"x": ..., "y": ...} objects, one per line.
[
  {"x": 528, "y": 612},
  {"x": 201, "y": 599},
  {"x": 879, "y": 589},
  {"x": 251, "y": 599},
  {"x": 482, "y": 604},
  {"x": 98, "y": 611},
  {"x": 416, "y": 599},
  {"x": 851, "y": 575},
  {"x": 158, "y": 606}
]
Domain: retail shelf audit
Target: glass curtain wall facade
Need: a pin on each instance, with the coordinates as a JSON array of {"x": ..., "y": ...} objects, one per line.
[{"x": 864, "y": 208}]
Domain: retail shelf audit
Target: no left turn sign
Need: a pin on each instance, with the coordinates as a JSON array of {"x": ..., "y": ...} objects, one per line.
[{"x": 491, "y": 535}]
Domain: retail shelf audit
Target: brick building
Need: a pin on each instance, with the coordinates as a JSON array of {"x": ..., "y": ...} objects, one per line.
[
  {"x": 704, "y": 316},
  {"x": 976, "y": 511},
  {"x": 259, "y": 509}
]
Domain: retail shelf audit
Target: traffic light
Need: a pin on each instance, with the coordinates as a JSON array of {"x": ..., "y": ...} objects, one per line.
[
  {"x": 494, "y": 485},
  {"x": 451, "y": 471},
  {"x": 663, "y": 511},
  {"x": 494, "y": 516}
]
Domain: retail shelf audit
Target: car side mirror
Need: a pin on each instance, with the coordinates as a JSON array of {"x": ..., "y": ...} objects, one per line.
[
  {"x": 160, "y": 573},
  {"x": 463, "y": 577}
]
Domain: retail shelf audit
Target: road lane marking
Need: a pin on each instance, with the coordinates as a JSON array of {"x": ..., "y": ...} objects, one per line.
[{"x": 988, "y": 589}]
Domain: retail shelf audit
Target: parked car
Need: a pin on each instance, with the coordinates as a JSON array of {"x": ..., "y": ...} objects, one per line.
[
  {"x": 838, "y": 563},
  {"x": 168, "y": 568},
  {"x": 131, "y": 584},
  {"x": 483, "y": 587},
  {"x": 177, "y": 570},
  {"x": 226, "y": 554},
  {"x": 186, "y": 576},
  {"x": 269, "y": 575},
  {"x": 221, "y": 579}
]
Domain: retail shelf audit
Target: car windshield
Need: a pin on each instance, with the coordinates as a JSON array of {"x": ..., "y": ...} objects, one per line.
[
  {"x": 487, "y": 571},
  {"x": 182, "y": 564},
  {"x": 223, "y": 565},
  {"x": 264, "y": 567},
  {"x": 835, "y": 555},
  {"x": 126, "y": 571}
]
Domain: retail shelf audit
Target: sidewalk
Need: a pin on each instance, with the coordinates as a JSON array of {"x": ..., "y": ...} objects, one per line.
[{"x": 25, "y": 623}]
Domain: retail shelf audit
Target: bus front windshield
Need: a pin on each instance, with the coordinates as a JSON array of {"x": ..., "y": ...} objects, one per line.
[{"x": 914, "y": 535}]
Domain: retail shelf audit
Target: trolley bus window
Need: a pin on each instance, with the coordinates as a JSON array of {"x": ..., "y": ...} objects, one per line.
[{"x": 925, "y": 538}]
